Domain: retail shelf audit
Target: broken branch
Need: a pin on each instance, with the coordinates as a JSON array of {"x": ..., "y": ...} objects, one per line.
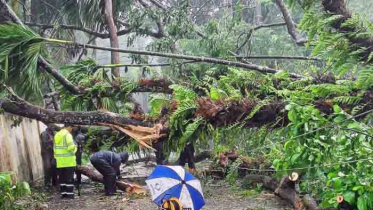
[
  {"x": 247, "y": 66},
  {"x": 292, "y": 30}
]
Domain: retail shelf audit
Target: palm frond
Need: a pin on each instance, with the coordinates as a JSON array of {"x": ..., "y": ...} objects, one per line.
[
  {"x": 157, "y": 102},
  {"x": 89, "y": 13},
  {"x": 21, "y": 49}
]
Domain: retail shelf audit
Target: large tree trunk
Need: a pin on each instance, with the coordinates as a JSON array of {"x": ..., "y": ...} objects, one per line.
[
  {"x": 114, "y": 43},
  {"x": 18, "y": 106}
]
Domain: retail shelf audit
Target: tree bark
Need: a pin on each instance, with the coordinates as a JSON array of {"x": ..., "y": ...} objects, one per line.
[
  {"x": 292, "y": 30},
  {"x": 18, "y": 106},
  {"x": 284, "y": 189},
  {"x": 114, "y": 42},
  {"x": 310, "y": 203},
  {"x": 258, "y": 13}
]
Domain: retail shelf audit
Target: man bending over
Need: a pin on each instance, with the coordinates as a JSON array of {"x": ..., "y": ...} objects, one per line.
[{"x": 107, "y": 163}]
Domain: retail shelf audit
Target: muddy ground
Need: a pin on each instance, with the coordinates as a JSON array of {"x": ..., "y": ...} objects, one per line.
[{"x": 218, "y": 195}]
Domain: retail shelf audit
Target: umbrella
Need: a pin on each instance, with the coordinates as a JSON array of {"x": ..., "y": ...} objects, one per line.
[{"x": 173, "y": 181}]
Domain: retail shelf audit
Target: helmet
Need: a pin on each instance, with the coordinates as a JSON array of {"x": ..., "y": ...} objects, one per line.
[
  {"x": 124, "y": 156},
  {"x": 172, "y": 204}
]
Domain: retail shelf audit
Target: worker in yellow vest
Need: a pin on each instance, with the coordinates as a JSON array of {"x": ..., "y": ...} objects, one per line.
[{"x": 64, "y": 153}]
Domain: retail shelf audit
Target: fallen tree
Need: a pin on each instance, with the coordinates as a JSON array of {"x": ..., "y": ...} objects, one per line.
[
  {"x": 248, "y": 101},
  {"x": 20, "y": 107}
]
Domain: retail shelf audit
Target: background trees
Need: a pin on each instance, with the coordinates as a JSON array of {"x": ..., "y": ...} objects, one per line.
[{"x": 310, "y": 113}]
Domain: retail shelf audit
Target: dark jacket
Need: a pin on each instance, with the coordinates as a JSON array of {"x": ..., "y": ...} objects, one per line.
[
  {"x": 113, "y": 159},
  {"x": 46, "y": 144},
  {"x": 80, "y": 138}
]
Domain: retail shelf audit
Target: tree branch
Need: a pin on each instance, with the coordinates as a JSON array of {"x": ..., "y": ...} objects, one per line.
[
  {"x": 77, "y": 28},
  {"x": 292, "y": 30},
  {"x": 159, "y": 5},
  {"x": 129, "y": 29},
  {"x": 258, "y": 68},
  {"x": 280, "y": 57},
  {"x": 59, "y": 77},
  {"x": 161, "y": 33},
  {"x": 268, "y": 26},
  {"x": 148, "y": 65}
]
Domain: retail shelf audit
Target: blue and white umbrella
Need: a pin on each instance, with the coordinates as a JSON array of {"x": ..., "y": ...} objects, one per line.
[{"x": 173, "y": 181}]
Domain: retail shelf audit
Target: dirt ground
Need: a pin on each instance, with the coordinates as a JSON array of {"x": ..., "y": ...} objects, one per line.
[{"x": 218, "y": 195}]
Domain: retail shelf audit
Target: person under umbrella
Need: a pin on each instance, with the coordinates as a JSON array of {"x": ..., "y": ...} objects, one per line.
[
  {"x": 108, "y": 164},
  {"x": 172, "y": 186}
]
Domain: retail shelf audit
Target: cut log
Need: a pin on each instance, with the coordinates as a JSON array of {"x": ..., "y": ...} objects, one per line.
[
  {"x": 294, "y": 176},
  {"x": 284, "y": 189},
  {"x": 124, "y": 186},
  {"x": 310, "y": 203}
]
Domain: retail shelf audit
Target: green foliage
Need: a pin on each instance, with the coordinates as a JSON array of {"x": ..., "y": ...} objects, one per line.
[
  {"x": 322, "y": 148},
  {"x": 342, "y": 56},
  {"x": 334, "y": 151},
  {"x": 89, "y": 13},
  {"x": 349, "y": 100},
  {"x": 20, "y": 50},
  {"x": 325, "y": 90},
  {"x": 157, "y": 102},
  {"x": 98, "y": 84},
  {"x": 10, "y": 193},
  {"x": 365, "y": 79},
  {"x": 190, "y": 130}
]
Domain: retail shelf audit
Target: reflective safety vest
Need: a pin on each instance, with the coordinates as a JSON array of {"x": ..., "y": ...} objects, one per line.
[{"x": 64, "y": 149}]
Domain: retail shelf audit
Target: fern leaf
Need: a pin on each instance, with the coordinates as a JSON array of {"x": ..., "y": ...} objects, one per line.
[
  {"x": 191, "y": 129},
  {"x": 350, "y": 100}
]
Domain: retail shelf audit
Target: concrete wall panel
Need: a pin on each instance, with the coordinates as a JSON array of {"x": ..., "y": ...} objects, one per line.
[{"x": 20, "y": 148}]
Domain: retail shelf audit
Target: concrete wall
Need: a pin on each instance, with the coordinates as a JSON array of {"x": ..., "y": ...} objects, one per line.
[{"x": 20, "y": 148}]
